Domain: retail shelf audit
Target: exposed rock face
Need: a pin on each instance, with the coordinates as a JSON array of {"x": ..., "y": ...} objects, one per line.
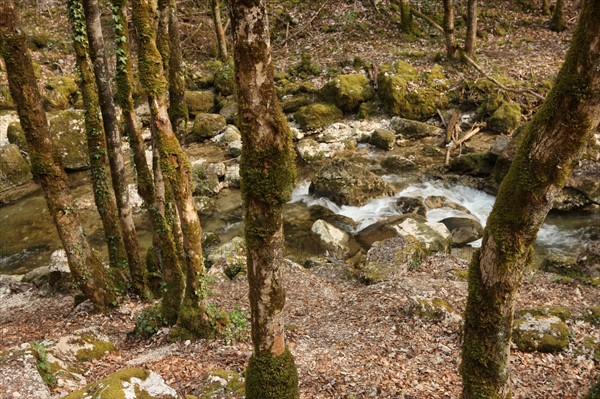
[
  {"x": 206, "y": 126},
  {"x": 391, "y": 256},
  {"x": 588, "y": 261},
  {"x": 347, "y": 92},
  {"x": 411, "y": 129},
  {"x": 200, "y": 101},
  {"x": 586, "y": 179},
  {"x": 347, "y": 183},
  {"x": 540, "y": 334},
  {"x": 19, "y": 377},
  {"x": 560, "y": 264},
  {"x": 465, "y": 229},
  {"x": 335, "y": 241}
]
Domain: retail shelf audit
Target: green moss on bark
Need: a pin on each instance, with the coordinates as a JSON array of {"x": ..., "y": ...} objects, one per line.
[{"x": 272, "y": 377}]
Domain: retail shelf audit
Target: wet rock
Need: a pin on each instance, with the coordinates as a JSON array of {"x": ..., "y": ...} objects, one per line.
[
  {"x": 221, "y": 384},
  {"x": 392, "y": 256},
  {"x": 347, "y": 92},
  {"x": 434, "y": 309},
  {"x": 228, "y": 259},
  {"x": 206, "y": 126},
  {"x": 465, "y": 228},
  {"x": 411, "y": 129},
  {"x": 505, "y": 119},
  {"x": 383, "y": 229},
  {"x": 14, "y": 169},
  {"x": 475, "y": 164},
  {"x": 67, "y": 128},
  {"x": 335, "y": 133},
  {"x": 383, "y": 138},
  {"x": 438, "y": 201},
  {"x": 397, "y": 164},
  {"x": 411, "y": 205},
  {"x": 347, "y": 183},
  {"x": 201, "y": 101},
  {"x": 336, "y": 242},
  {"x": 540, "y": 334},
  {"x": 318, "y": 115},
  {"x": 435, "y": 237}
]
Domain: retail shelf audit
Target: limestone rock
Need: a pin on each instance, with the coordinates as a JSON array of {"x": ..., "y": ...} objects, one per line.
[
  {"x": 234, "y": 149},
  {"x": 412, "y": 129},
  {"x": 205, "y": 181},
  {"x": 206, "y": 126},
  {"x": 383, "y": 229},
  {"x": 67, "y": 128},
  {"x": 438, "y": 201},
  {"x": 464, "y": 228},
  {"x": 16, "y": 135},
  {"x": 588, "y": 261},
  {"x": 435, "y": 237},
  {"x": 201, "y": 101},
  {"x": 59, "y": 93},
  {"x": 434, "y": 309},
  {"x": 392, "y": 256},
  {"x": 336, "y": 242},
  {"x": 310, "y": 150},
  {"x": 19, "y": 377},
  {"x": 14, "y": 169},
  {"x": 411, "y": 205},
  {"x": 586, "y": 179},
  {"x": 348, "y": 91},
  {"x": 540, "y": 334},
  {"x": 228, "y": 258},
  {"x": 318, "y": 115},
  {"x": 560, "y": 264},
  {"x": 475, "y": 164},
  {"x": 397, "y": 164},
  {"x": 228, "y": 135},
  {"x": 383, "y": 138}
]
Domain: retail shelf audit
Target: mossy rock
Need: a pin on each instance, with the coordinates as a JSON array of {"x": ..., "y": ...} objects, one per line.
[
  {"x": 6, "y": 100},
  {"x": 478, "y": 164},
  {"x": 369, "y": 109},
  {"x": 60, "y": 92},
  {"x": 490, "y": 104},
  {"x": 205, "y": 181},
  {"x": 127, "y": 384},
  {"x": 401, "y": 68},
  {"x": 347, "y": 92},
  {"x": 224, "y": 80},
  {"x": 201, "y": 101},
  {"x": 433, "y": 236},
  {"x": 222, "y": 384},
  {"x": 383, "y": 139},
  {"x": 390, "y": 257},
  {"x": 436, "y": 78},
  {"x": 506, "y": 118},
  {"x": 294, "y": 102},
  {"x": 310, "y": 150},
  {"x": 228, "y": 258},
  {"x": 206, "y": 126},
  {"x": 67, "y": 128},
  {"x": 228, "y": 109},
  {"x": 434, "y": 309},
  {"x": 16, "y": 135},
  {"x": 306, "y": 68},
  {"x": 540, "y": 334},
  {"x": 592, "y": 315},
  {"x": 561, "y": 312},
  {"x": 397, "y": 164},
  {"x": 319, "y": 115},
  {"x": 412, "y": 129},
  {"x": 565, "y": 265},
  {"x": 14, "y": 169}
]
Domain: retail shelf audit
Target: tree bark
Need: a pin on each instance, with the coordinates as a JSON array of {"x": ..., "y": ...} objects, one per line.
[
  {"x": 89, "y": 274},
  {"x": 546, "y": 7},
  {"x": 406, "y": 17},
  {"x": 557, "y": 23},
  {"x": 268, "y": 172},
  {"x": 175, "y": 167},
  {"x": 552, "y": 144},
  {"x": 471, "y": 38},
  {"x": 451, "y": 49},
  {"x": 219, "y": 31},
  {"x": 115, "y": 155},
  {"x": 178, "y": 111},
  {"x": 103, "y": 194}
]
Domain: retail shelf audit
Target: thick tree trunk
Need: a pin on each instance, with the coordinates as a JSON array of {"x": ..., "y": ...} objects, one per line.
[
  {"x": 175, "y": 167},
  {"x": 89, "y": 274},
  {"x": 451, "y": 49},
  {"x": 215, "y": 6},
  {"x": 557, "y": 23},
  {"x": 471, "y": 38},
  {"x": 553, "y": 141},
  {"x": 268, "y": 172},
  {"x": 406, "y": 17},
  {"x": 103, "y": 194},
  {"x": 115, "y": 155}
]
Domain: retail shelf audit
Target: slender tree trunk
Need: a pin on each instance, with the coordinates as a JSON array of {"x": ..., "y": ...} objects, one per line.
[
  {"x": 115, "y": 155},
  {"x": 406, "y": 17},
  {"x": 546, "y": 7},
  {"x": 90, "y": 275},
  {"x": 178, "y": 111},
  {"x": 153, "y": 199},
  {"x": 175, "y": 167},
  {"x": 557, "y": 23},
  {"x": 451, "y": 49},
  {"x": 471, "y": 38},
  {"x": 103, "y": 194},
  {"x": 268, "y": 172},
  {"x": 215, "y": 6},
  {"x": 552, "y": 144}
]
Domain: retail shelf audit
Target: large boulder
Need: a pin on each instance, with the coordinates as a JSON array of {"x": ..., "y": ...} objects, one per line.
[
  {"x": 14, "y": 169},
  {"x": 506, "y": 118},
  {"x": 383, "y": 138},
  {"x": 392, "y": 256},
  {"x": 205, "y": 180},
  {"x": 411, "y": 129},
  {"x": 383, "y": 229},
  {"x": 206, "y": 126},
  {"x": 293, "y": 102},
  {"x": 347, "y": 183},
  {"x": 478, "y": 164},
  {"x": 318, "y": 115},
  {"x": 435, "y": 237},
  {"x": 540, "y": 334},
  {"x": 67, "y": 128},
  {"x": 335, "y": 241},
  {"x": 464, "y": 228},
  {"x": 200, "y": 101},
  {"x": 348, "y": 91}
]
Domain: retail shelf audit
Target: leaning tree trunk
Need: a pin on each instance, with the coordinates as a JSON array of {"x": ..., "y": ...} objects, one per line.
[
  {"x": 103, "y": 194},
  {"x": 268, "y": 171},
  {"x": 215, "y": 6},
  {"x": 553, "y": 141},
  {"x": 162, "y": 237},
  {"x": 89, "y": 274},
  {"x": 176, "y": 169},
  {"x": 115, "y": 155},
  {"x": 451, "y": 49},
  {"x": 471, "y": 38},
  {"x": 557, "y": 23}
]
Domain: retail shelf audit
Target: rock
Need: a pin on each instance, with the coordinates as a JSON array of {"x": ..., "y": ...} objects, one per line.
[
  {"x": 310, "y": 151},
  {"x": 347, "y": 183},
  {"x": 318, "y": 115},
  {"x": 19, "y": 377},
  {"x": 586, "y": 179},
  {"x": 411, "y": 129},
  {"x": 588, "y": 261},
  {"x": 397, "y": 164},
  {"x": 228, "y": 258},
  {"x": 6, "y": 100},
  {"x": 232, "y": 176},
  {"x": 234, "y": 149},
  {"x": 292, "y": 103},
  {"x": 14, "y": 169},
  {"x": 434, "y": 309},
  {"x": 477, "y": 164},
  {"x": 464, "y": 229},
  {"x": 59, "y": 93},
  {"x": 201, "y": 101},
  {"x": 222, "y": 384},
  {"x": 206, "y": 126},
  {"x": 383, "y": 138},
  {"x": 229, "y": 109},
  {"x": 67, "y": 128},
  {"x": 435, "y": 237},
  {"x": 392, "y": 256},
  {"x": 383, "y": 229},
  {"x": 438, "y": 201},
  {"x": 336, "y": 242},
  {"x": 227, "y": 136},
  {"x": 16, "y": 135},
  {"x": 561, "y": 312},
  {"x": 224, "y": 80},
  {"x": 559, "y": 263},
  {"x": 129, "y": 383},
  {"x": 540, "y": 334},
  {"x": 505, "y": 119},
  {"x": 205, "y": 181},
  {"x": 347, "y": 92},
  {"x": 411, "y": 205},
  {"x": 335, "y": 133},
  {"x": 56, "y": 276}
]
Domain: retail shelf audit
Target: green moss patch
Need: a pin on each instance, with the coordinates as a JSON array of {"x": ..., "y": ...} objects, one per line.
[
  {"x": 272, "y": 377},
  {"x": 222, "y": 384},
  {"x": 347, "y": 92},
  {"x": 506, "y": 118},
  {"x": 317, "y": 116},
  {"x": 540, "y": 334}
]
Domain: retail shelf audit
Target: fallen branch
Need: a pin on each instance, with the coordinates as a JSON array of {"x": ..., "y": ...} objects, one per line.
[
  {"x": 451, "y": 130},
  {"x": 425, "y": 18},
  {"x": 476, "y": 128},
  {"x": 306, "y": 25}
]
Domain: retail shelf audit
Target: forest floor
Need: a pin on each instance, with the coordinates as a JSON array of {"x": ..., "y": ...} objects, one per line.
[{"x": 350, "y": 340}]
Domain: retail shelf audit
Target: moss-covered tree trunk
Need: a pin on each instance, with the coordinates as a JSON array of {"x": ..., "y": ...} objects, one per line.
[
  {"x": 103, "y": 194},
  {"x": 471, "y": 38},
  {"x": 406, "y": 17},
  {"x": 546, "y": 7},
  {"x": 89, "y": 274},
  {"x": 451, "y": 49},
  {"x": 175, "y": 167},
  {"x": 552, "y": 143},
  {"x": 115, "y": 154},
  {"x": 268, "y": 171},
  {"x": 222, "y": 53},
  {"x": 557, "y": 22}
]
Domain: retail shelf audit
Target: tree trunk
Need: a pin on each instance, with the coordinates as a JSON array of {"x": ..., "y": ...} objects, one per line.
[
  {"x": 553, "y": 141},
  {"x": 451, "y": 50},
  {"x": 557, "y": 23},
  {"x": 178, "y": 111},
  {"x": 115, "y": 155},
  {"x": 406, "y": 17},
  {"x": 546, "y": 7},
  {"x": 175, "y": 167},
  {"x": 471, "y": 38},
  {"x": 268, "y": 172},
  {"x": 103, "y": 194},
  {"x": 89, "y": 274},
  {"x": 219, "y": 31}
]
